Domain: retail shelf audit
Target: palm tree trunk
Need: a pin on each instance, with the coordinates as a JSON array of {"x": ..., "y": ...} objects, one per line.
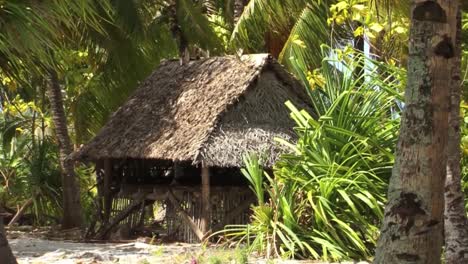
[
  {"x": 6, "y": 256},
  {"x": 412, "y": 231},
  {"x": 71, "y": 191},
  {"x": 238, "y": 9},
  {"x": 456, "y": 223}
]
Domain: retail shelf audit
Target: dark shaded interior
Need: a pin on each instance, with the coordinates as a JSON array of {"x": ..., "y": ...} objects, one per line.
[{"x": 158, "y": 172}]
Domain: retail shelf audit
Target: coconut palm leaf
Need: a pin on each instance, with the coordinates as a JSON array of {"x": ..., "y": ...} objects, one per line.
[
  {"x": 310, "y": 31},
  {"x": 196, "y": 26}
]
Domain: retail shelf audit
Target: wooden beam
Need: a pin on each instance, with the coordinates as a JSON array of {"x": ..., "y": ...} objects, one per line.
[
  {"x": 205, "y": 220},
  {"x": 21, "y": 211},
  {"x": 184, "y": 215},
  {"x": 121, "y": 216},
  {"x": 128, "y": 189},
  {"x": 106, "y": 189}
]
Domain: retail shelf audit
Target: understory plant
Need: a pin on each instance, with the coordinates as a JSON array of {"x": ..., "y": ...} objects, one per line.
[
  {"x": 326, "y": 198},
  {"x": 29, "y": 169},
  {"x": 29, "y": 177}
]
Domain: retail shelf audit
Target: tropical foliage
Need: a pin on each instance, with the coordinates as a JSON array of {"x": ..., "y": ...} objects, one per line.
[
  {"x": 326, "y": 198},
  {"x": 296, "y": 29},
  {"x": 323, "y": 201}
]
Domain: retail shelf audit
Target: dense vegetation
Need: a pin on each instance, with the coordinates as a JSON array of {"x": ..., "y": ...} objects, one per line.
[{"x": 325, "y": 199}]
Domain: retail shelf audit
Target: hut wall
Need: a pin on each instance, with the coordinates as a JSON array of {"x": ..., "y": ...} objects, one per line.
[
  {"x": 223, "y": 201},
  {"x": 133, "y": 220},
  {"x": 229, "y": 191}
]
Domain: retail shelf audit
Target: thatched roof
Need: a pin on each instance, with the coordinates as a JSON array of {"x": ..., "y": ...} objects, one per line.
[{"x": 213, "y": 109}]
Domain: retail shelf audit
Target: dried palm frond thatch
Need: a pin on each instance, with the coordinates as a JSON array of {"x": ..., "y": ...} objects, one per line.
[{"x": 213, "y": 109}]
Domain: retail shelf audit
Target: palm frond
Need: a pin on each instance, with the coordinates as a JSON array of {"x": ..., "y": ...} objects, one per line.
[
  {"x": 196, "y": 26},
  {"x": 310, "y": 31}
]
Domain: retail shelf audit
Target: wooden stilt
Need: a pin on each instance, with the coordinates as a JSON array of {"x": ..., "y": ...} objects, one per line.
[
  {"x": 205, "y": 216},
  {"x": 141, "y": 220},
  {"x": 106, "y": 189},
  {"x": 99, "y": 168}
]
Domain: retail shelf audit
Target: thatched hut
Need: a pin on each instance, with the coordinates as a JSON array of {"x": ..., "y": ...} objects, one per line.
[{"x": 181, "y": 137}]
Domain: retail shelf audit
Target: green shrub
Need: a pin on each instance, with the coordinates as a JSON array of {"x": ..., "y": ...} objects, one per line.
[{"x": 326, "y": 199}]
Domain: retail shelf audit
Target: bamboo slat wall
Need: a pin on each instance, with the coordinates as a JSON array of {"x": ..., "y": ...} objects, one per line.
[
  {"x": 231, "y": 202},
  {"x": 222, "y": 202},
  {"x": 119, "y": 204}
]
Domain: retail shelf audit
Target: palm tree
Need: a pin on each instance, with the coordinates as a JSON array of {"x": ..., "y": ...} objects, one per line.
[
  {"x": 412, "y": 230},
  {"x": 239, "y": 6},
  {"x": 282, "y": 28},
  {"x": 32, "y": 33},
  {"x": 456, "y": 222},
  {"x": 72, "y": 216}
]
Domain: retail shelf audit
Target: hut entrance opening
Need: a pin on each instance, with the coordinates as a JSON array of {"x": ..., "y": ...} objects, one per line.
[{"x": 157, "y": 198}]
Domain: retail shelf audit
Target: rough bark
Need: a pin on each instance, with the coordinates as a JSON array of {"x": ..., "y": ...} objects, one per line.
[
  {"x": 176, "y": 31},
  {"x": 71, "y": 191},
  {"x": 412, "y": 231},
  {"x": 456, "y": 222},
  {"x": 239, "y": 6},
  {"x": 6, "y": 255},
  {"x": 205, "y": 220}
]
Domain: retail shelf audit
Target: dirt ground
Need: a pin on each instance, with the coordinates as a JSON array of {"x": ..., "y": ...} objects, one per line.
[{"x": 50, "y": 246}]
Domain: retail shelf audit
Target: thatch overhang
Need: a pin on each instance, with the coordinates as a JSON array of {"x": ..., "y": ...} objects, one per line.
[{"x": 212, "y": 110}]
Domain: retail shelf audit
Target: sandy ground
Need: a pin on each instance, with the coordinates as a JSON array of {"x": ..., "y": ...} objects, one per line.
[
  {"x": 41, "y": 251},
  {"x": 51, "y": 246}
]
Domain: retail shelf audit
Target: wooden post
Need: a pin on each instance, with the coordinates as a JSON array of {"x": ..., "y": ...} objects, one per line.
[
  {"x": 205, "y": 189},
  {"x": 107, "y": 192},
  {"x": 99, "y": 168}
]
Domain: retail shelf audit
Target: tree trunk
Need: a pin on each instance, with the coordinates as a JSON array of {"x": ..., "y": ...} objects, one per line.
[
  {"x": 6, "y": 256},
  {"x": 456, "y": 223},
  {"x": 239, "y": 6},
  {"x": 464, "y": 6},
  {"x": 71, "y": 190},
  {"x": 205, "y": 221},
  {"x": 412, "y": 231}
]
